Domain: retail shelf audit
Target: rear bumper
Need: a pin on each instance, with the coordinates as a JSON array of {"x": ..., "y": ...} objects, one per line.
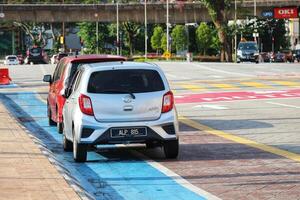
[{"x": 100, "y": 133}]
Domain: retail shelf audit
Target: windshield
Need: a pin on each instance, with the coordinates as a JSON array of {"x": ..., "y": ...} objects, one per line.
[
  {"x": 125, "y": 81},
  {"x": 247, "y": 46}
]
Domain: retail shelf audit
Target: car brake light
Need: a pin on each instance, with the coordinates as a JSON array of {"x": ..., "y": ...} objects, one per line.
[
  {"x": 168, "y": 102},
  {"x": 85, "y": 105}
]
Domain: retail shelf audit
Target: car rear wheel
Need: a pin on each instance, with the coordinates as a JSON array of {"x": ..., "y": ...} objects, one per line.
[
  {"x": 67, "y": 144},
  {"x": 171, "y": 148},
  {"x": 79, "y": 150},
  {"x": 60, "y": 127},
  {"x": 50, "y": 121}
]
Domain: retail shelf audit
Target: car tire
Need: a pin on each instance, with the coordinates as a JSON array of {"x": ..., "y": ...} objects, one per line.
[
  {"x": 50, "y": 121},
  {"x": 67, "y": 144},
  {"x": 60, "y": 127},
  {"x": 79, "y": 150},
  {"x": 171, "y": 148}
]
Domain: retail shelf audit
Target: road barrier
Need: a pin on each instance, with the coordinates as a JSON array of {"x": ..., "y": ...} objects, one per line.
[{"x": 4, "y": 76}]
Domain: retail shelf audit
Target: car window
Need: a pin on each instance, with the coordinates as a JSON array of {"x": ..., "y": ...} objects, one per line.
[
  {"x": 11, "y": 57},
  {"x": 247, "y": 46},
  {"x": 124, "y": 81},
  {"x": 58, "y": 71},
  {"x": 77, "y": 80}
]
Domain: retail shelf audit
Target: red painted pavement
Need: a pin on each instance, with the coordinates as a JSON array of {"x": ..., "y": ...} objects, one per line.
[{"x": 235, "y": 96}]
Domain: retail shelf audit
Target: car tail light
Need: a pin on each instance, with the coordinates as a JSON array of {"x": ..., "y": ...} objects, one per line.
[
  {"x": 168, "y": 102},
  {"x": 85, "y": 105}
]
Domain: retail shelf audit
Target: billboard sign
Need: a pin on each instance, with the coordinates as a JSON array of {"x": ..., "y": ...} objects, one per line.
[{"x": 286, "y": 12}]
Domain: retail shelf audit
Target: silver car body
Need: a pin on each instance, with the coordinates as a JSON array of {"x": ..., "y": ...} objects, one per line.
[
  {"x": 11, "y": 60},
  {"x": 117, "y": 110}
]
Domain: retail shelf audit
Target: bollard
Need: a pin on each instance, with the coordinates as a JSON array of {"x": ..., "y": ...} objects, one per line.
[{"x": 4, "y": 76}]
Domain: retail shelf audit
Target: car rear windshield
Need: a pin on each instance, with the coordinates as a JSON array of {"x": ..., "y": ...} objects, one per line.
[
  {"x": 125, "y": 81},
  {"x": 35, "y": 50},
  {"x": 247, "y": 46},
  {"x": 12, "y": 58}
]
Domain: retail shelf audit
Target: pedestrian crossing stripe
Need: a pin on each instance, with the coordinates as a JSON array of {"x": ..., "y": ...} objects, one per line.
[
  {"x": 225, "y": 86},
  {"x": 256, "y": 84},
  {"x": 192, "y": 87},
  {"x": 236, "y": 86},
  {"x": 287, "y": 83}
]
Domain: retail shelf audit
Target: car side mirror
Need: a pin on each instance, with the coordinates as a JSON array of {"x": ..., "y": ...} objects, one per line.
[{"x": 47, "y": 78}]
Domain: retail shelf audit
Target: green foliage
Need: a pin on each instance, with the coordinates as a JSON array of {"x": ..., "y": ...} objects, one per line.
[
  {"x": 164, "y": 42},
  {"x": 132, "y": 30},
  {"x": 204, "y": 37},
  {"x": 157, "y": 38},
  {"x": 179, "y": 38},
  {"x": 88, "y": 34}
]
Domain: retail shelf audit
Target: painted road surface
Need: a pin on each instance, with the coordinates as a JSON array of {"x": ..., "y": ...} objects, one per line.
[
  {"x": 233, "y": 96},
  {"x": 109, "y": 175}
]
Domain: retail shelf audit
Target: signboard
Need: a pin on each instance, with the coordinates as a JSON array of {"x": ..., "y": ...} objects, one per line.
[
  {"x": 267, "y": 14},
  {"x": 2, "y": 15},
  {"x": 285, "y": 12}
]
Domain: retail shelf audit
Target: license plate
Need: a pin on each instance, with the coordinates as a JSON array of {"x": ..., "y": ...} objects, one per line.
[{"x": 128, "y": 132}]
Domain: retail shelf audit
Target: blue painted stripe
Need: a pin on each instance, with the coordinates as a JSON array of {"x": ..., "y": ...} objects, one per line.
[
  {"x": 130, "y": 178},
  {"x": 9, "y": 86}
]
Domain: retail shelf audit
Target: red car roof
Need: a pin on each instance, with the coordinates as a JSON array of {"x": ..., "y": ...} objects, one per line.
[{"x": 93, "y": 57}]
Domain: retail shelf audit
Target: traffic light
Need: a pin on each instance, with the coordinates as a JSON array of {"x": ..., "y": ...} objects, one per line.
[{"x": 61, "y": 40}]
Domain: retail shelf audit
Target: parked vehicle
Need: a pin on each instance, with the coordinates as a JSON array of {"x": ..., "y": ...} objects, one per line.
[
  {"x": 247, "y": 51},
  {"x": 57, "y": 57},
  {"x": 119, "y": 102},
  {"x": 11, "y": 60},
  {"x": 20, "y": 59},
  {"x": 280, "y": 57},
  {"x": 63, "y": 74},
  {"x": 53, "y": 59},
  {"x": 36, "y": 55},
  {"x": 296, "y": 55},
  {"x": 288, "y": 55}
]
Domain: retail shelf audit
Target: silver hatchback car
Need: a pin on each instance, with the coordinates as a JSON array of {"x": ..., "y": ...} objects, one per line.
[{"x": 119, "y": 103}]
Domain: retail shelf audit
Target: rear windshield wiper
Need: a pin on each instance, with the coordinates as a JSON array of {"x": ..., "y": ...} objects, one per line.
[{"x": 118, "y": 91}]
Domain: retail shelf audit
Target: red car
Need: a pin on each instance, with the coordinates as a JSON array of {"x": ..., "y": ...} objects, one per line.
[{"x": 62, "y": 76}]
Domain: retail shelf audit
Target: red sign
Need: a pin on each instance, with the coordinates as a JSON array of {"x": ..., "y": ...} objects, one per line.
[{"x": 286, "y": 13}]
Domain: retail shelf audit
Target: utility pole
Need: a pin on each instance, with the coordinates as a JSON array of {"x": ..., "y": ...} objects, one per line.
[
  {"x": 118, "y": 39},
  {"x": 168, "y": 26},
  {"x": 235, "y": 32},
  {"x": 146, "y": 34}
]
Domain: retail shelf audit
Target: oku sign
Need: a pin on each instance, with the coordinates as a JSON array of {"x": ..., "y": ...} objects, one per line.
[{"x": 286, "y": 12}]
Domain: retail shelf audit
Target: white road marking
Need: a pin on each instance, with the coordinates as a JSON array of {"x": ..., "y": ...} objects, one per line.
[
  {"x": 176, "y": 177},
  {"x": 284, "y": 105},
  {"x": 171, "y": 75},
  {"x": 217, "y": 107},
  {"x": 222, "y": 71}
]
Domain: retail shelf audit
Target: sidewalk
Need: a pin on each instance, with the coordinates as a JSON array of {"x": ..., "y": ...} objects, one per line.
[{"x": 25, "y": 173}]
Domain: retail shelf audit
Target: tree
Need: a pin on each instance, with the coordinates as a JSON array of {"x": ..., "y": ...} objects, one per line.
[
  {"x": 132, "y": 30},
  {"x": 156, "y": 38},
  {"x": 179, "y": 38},
  {"x": 218, "y": 11},
  {"x": 163, "y": 42},
  {"x": 88, "y": 34},
  {"x": 204, "y": 37}
]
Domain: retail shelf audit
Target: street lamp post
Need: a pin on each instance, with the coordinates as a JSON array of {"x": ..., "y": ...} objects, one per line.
[
  {"x": 168, "y": 26},
  {"x": 97, "y": 33},
  {"x": 118, "y": 39},
  {"x": 146, "y": 34},
  {"x": 235, "y": 32}
]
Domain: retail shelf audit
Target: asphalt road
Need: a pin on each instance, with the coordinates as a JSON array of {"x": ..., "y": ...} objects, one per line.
[{"x": 239, "y": 134}]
